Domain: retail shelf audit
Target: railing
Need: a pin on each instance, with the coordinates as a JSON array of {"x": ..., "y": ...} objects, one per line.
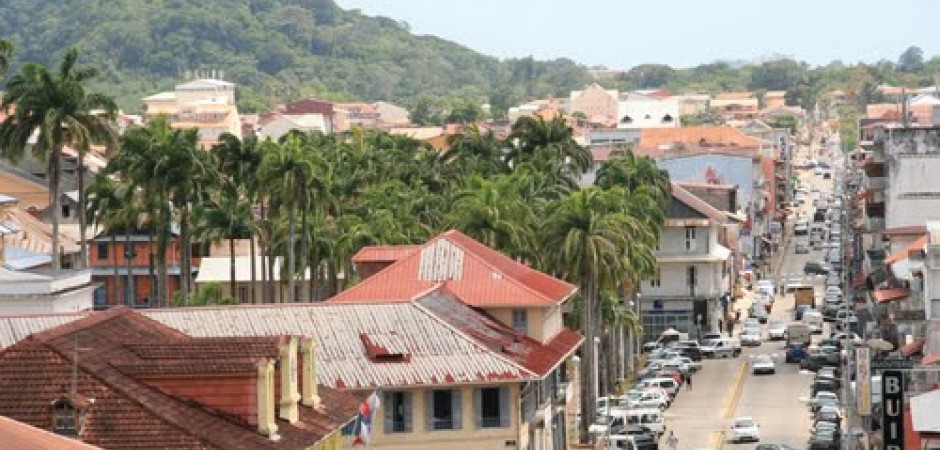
[{"x": 875, "y": 223}]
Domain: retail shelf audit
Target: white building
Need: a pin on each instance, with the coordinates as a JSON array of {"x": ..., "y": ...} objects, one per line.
[
  {"x": 282, "y": 124},
  {"x": 42, "y": 292},
  {"x": 694, "y": 269},
  {"x": 648, "y": 112},
  {"x": 207, "y": 105}
]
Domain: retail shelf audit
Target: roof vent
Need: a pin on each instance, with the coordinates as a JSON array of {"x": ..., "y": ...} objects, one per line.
[{"x": 385, "y": 347}]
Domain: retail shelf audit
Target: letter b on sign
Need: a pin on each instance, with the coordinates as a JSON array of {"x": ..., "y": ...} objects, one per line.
[{"x": 892, "y": 385}]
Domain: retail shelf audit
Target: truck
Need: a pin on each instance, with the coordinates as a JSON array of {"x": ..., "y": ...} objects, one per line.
[
  {"x": 804, "y": 294},
  {"x": 668, "y": 336},
  {"x": 798, "y": 333}
]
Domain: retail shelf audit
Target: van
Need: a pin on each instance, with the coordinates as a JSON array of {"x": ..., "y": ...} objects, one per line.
[
  {"x": 668, "y": 384},
  {"x": 721, "y": 348},
  {"x": 814, "y": 320}
]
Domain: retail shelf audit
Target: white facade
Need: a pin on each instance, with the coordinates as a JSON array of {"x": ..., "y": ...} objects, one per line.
[
  {"x": 41, "y": 293},
  {"x": 648, "y": 113},
  {"x": 912, "y": 189},
  {"x": 283, "y": 124}
]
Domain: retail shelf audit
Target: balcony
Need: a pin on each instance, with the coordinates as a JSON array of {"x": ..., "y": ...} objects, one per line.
[
  {"x": 874, "y": 183},
  {"x": 874, "y": 224}
]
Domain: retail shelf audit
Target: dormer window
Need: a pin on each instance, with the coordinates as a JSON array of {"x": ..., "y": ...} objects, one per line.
[
  {"x": 67, "y": 416},
  {"x": 667, "y": 118},
  {"x": 626, "y": 119}
]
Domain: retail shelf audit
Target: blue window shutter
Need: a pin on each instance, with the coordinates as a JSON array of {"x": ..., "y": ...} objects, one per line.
[
  {"x": 408, "y": 411},
  {"x": 429, "y": 410},
  {"x": 504, "y": 411},
  {"x": 457, "y": 407},
  {"x": 477, "y": 408},
  {"x": 387, "y": 410}
]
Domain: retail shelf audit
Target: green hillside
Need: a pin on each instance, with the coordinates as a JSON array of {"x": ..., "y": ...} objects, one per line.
[{"x": 274, "y": 49}]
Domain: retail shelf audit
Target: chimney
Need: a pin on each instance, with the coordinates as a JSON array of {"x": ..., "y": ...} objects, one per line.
[
  {"x": 287, "y": 360},
  {"x": 265, "y": 400},
  {"x": 308, "y": 359}
]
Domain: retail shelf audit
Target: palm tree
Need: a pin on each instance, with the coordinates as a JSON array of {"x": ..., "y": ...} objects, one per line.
[
  {"x": 583, "y": 240},
  {"x": 631, "y": 172},
  {"x": 105, "y": 208},
  {"x": 239, "y": 161},
  {"x": 286, "y": 169},
  {"x": 227, "y": 215},
  {"x": 492, "y": 212},
  {"x": 532, "y": 132},
  {"x": 60, "y": 109},
  {"x": 6, "y": 47}
]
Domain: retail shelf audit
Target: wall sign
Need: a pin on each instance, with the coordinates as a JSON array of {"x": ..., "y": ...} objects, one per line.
[{"x": 892, "y": 388}]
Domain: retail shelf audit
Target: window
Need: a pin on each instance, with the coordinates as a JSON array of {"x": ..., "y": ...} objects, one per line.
[
  {"x": 667, "y": 118},
  {"x": 103, "y": 251},
  {"x": 443, "y": 409},
  {"x": 691, "y": 276},
  {"x": 243, "y": 294},
  {"x": 66, "y": 418},
  {"x": 689, "y": 238},
  {"x": 520, "y": 320},
  {"x": 491, "y": 406},
  {"x": 935, "y": 308},
  {"x": 66, "y": 210},
  {"x": 397, "y": 411},
  {"x": 656, "y": 280}
]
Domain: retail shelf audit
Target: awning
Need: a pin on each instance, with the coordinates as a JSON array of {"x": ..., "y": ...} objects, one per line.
[
  {"x": 887, "y": 295},
  {"x": 932, "y": 358},
  {"x": 916, "y": 346}
]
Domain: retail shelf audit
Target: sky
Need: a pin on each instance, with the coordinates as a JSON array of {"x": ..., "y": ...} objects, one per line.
[{"x": 620, "y": 34}]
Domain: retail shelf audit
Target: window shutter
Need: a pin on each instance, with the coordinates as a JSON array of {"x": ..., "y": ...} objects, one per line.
[
  {"x": 477, "y": 408},
  {"x": 387, "y": 410},
  {"x": 504, "y": 407},
  {"x": 457, "y": 406},
  {"x": 429, "y": 410},
  {"x": 408, "y": 411}
]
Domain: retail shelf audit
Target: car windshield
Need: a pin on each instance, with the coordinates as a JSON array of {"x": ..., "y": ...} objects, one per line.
[
  {"x": 763, "y": 359},
  {"x": 709, "y": 342},
  {"x": 744, "y": 423}
]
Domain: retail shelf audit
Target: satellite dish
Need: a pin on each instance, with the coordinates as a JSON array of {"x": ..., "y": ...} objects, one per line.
[{"x": 880, "y": 345}]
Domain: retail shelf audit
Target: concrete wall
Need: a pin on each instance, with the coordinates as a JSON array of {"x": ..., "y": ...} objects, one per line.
[
  {"x": 673, "y": 283},
  {"x": 544, "y": 323},
  {"x": 913, "y": 189},
  {"x": 736, "y": 170},
  {"x": 75, "y": 300},
  {"x": 595, "y": 101}
]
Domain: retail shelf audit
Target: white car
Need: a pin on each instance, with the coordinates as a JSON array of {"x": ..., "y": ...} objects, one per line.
[
  {"x": 776, "y": 331},
  {"x": 750, "y": 337},
  {"x": 833, "y": 291},
  {"x": 766, "y": 287},
  {"x": 648, "y": 399},
  {"x": 763, "y": 364},
  {"x": 745, "y": 429},
  {"x": 694, "y": 366}
]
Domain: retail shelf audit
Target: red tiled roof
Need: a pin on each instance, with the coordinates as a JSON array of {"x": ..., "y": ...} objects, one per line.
[
  {"x": 656, "y": 141},
  {"x": 933, "y": 358},
  {"x": 128, "y": 411},
  {"x": 688, "y": 184},
  {"x": 476, "y": 274},
  {"x": 383, "y": 253},
  {"x": 916, "y": 346},
  {"x": 902, "y": 254},
  {"x": 887, "y": 295}
]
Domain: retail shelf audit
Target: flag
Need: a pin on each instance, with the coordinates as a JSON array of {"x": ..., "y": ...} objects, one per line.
[{"x": 366, "y": 411}]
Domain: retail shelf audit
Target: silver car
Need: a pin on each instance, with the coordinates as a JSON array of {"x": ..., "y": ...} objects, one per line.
[{"x": 776, "y": 331}]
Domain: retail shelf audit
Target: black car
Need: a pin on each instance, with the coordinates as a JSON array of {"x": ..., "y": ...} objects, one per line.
[
  {"x": 816, "y": 361},
  {"x": 825, "y": 440},
  {"x": 815, "y": 268},
  {"x": 689, "y": 349},
  {"x": 824, "y": 385}
]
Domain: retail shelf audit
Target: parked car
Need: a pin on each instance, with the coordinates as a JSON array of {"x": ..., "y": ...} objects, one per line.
[
  {"x": 721, "y": 348},
  {"x": 795, "y": 353},
  {"x": 825, "y": 440},
  {"x": 744, "y": 429},
  {"x": 818, "y": 360},
  {"x": 648, "y": 399},
  {"x": 823, "y": 398}
]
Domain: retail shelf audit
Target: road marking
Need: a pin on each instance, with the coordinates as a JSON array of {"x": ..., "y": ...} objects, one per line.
[{"x": 718, "y": 437}]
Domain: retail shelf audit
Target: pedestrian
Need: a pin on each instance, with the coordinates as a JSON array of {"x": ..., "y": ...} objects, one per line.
[
  {"x": 672, "y": 441},
  {"x": 720, "y": 325},
  {"x": 688, "y": 381}
]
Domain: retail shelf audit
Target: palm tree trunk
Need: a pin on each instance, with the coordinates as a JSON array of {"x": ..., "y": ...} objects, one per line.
[
  {"x": 251, "y": 246},
  {"x": 128, "y": 263},
  {"x": 304, "y": 233},
  {"x": 290, "y": 260},
  {"x": 186, "y": 259},
  {"x": 588, "y": 394},
  {"x": 114, "y": 268},
  {"x": 231, "y": 267},
  {"x": 152, "y": 293},
  {"x": 53, "y": 175},
  {"x": 163, "y": 238},
  {"x": 82, "y": 224}
]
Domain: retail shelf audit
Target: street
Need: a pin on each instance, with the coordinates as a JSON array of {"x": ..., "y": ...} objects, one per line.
[{"x": 726, "y": 388}]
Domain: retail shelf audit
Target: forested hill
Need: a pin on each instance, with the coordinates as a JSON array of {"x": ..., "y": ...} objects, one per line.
[{"x": 274, "y": 49}]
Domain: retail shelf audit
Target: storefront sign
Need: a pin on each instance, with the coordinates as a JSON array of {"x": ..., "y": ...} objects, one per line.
[
  {"x": 863, "y": 384},
  {"x": 891, "y": 364},
  {"x": 892, "y": 388}
]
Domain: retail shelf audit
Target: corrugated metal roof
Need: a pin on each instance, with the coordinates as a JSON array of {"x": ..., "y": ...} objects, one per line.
[
  {"x": 438, "y": 353},
  {"x": 384, "y": 253},
  {"x": 14, "y": 329}
]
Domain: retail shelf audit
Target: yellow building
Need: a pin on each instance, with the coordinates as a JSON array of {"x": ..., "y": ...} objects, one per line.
[{"x": 206, "y": 104}]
